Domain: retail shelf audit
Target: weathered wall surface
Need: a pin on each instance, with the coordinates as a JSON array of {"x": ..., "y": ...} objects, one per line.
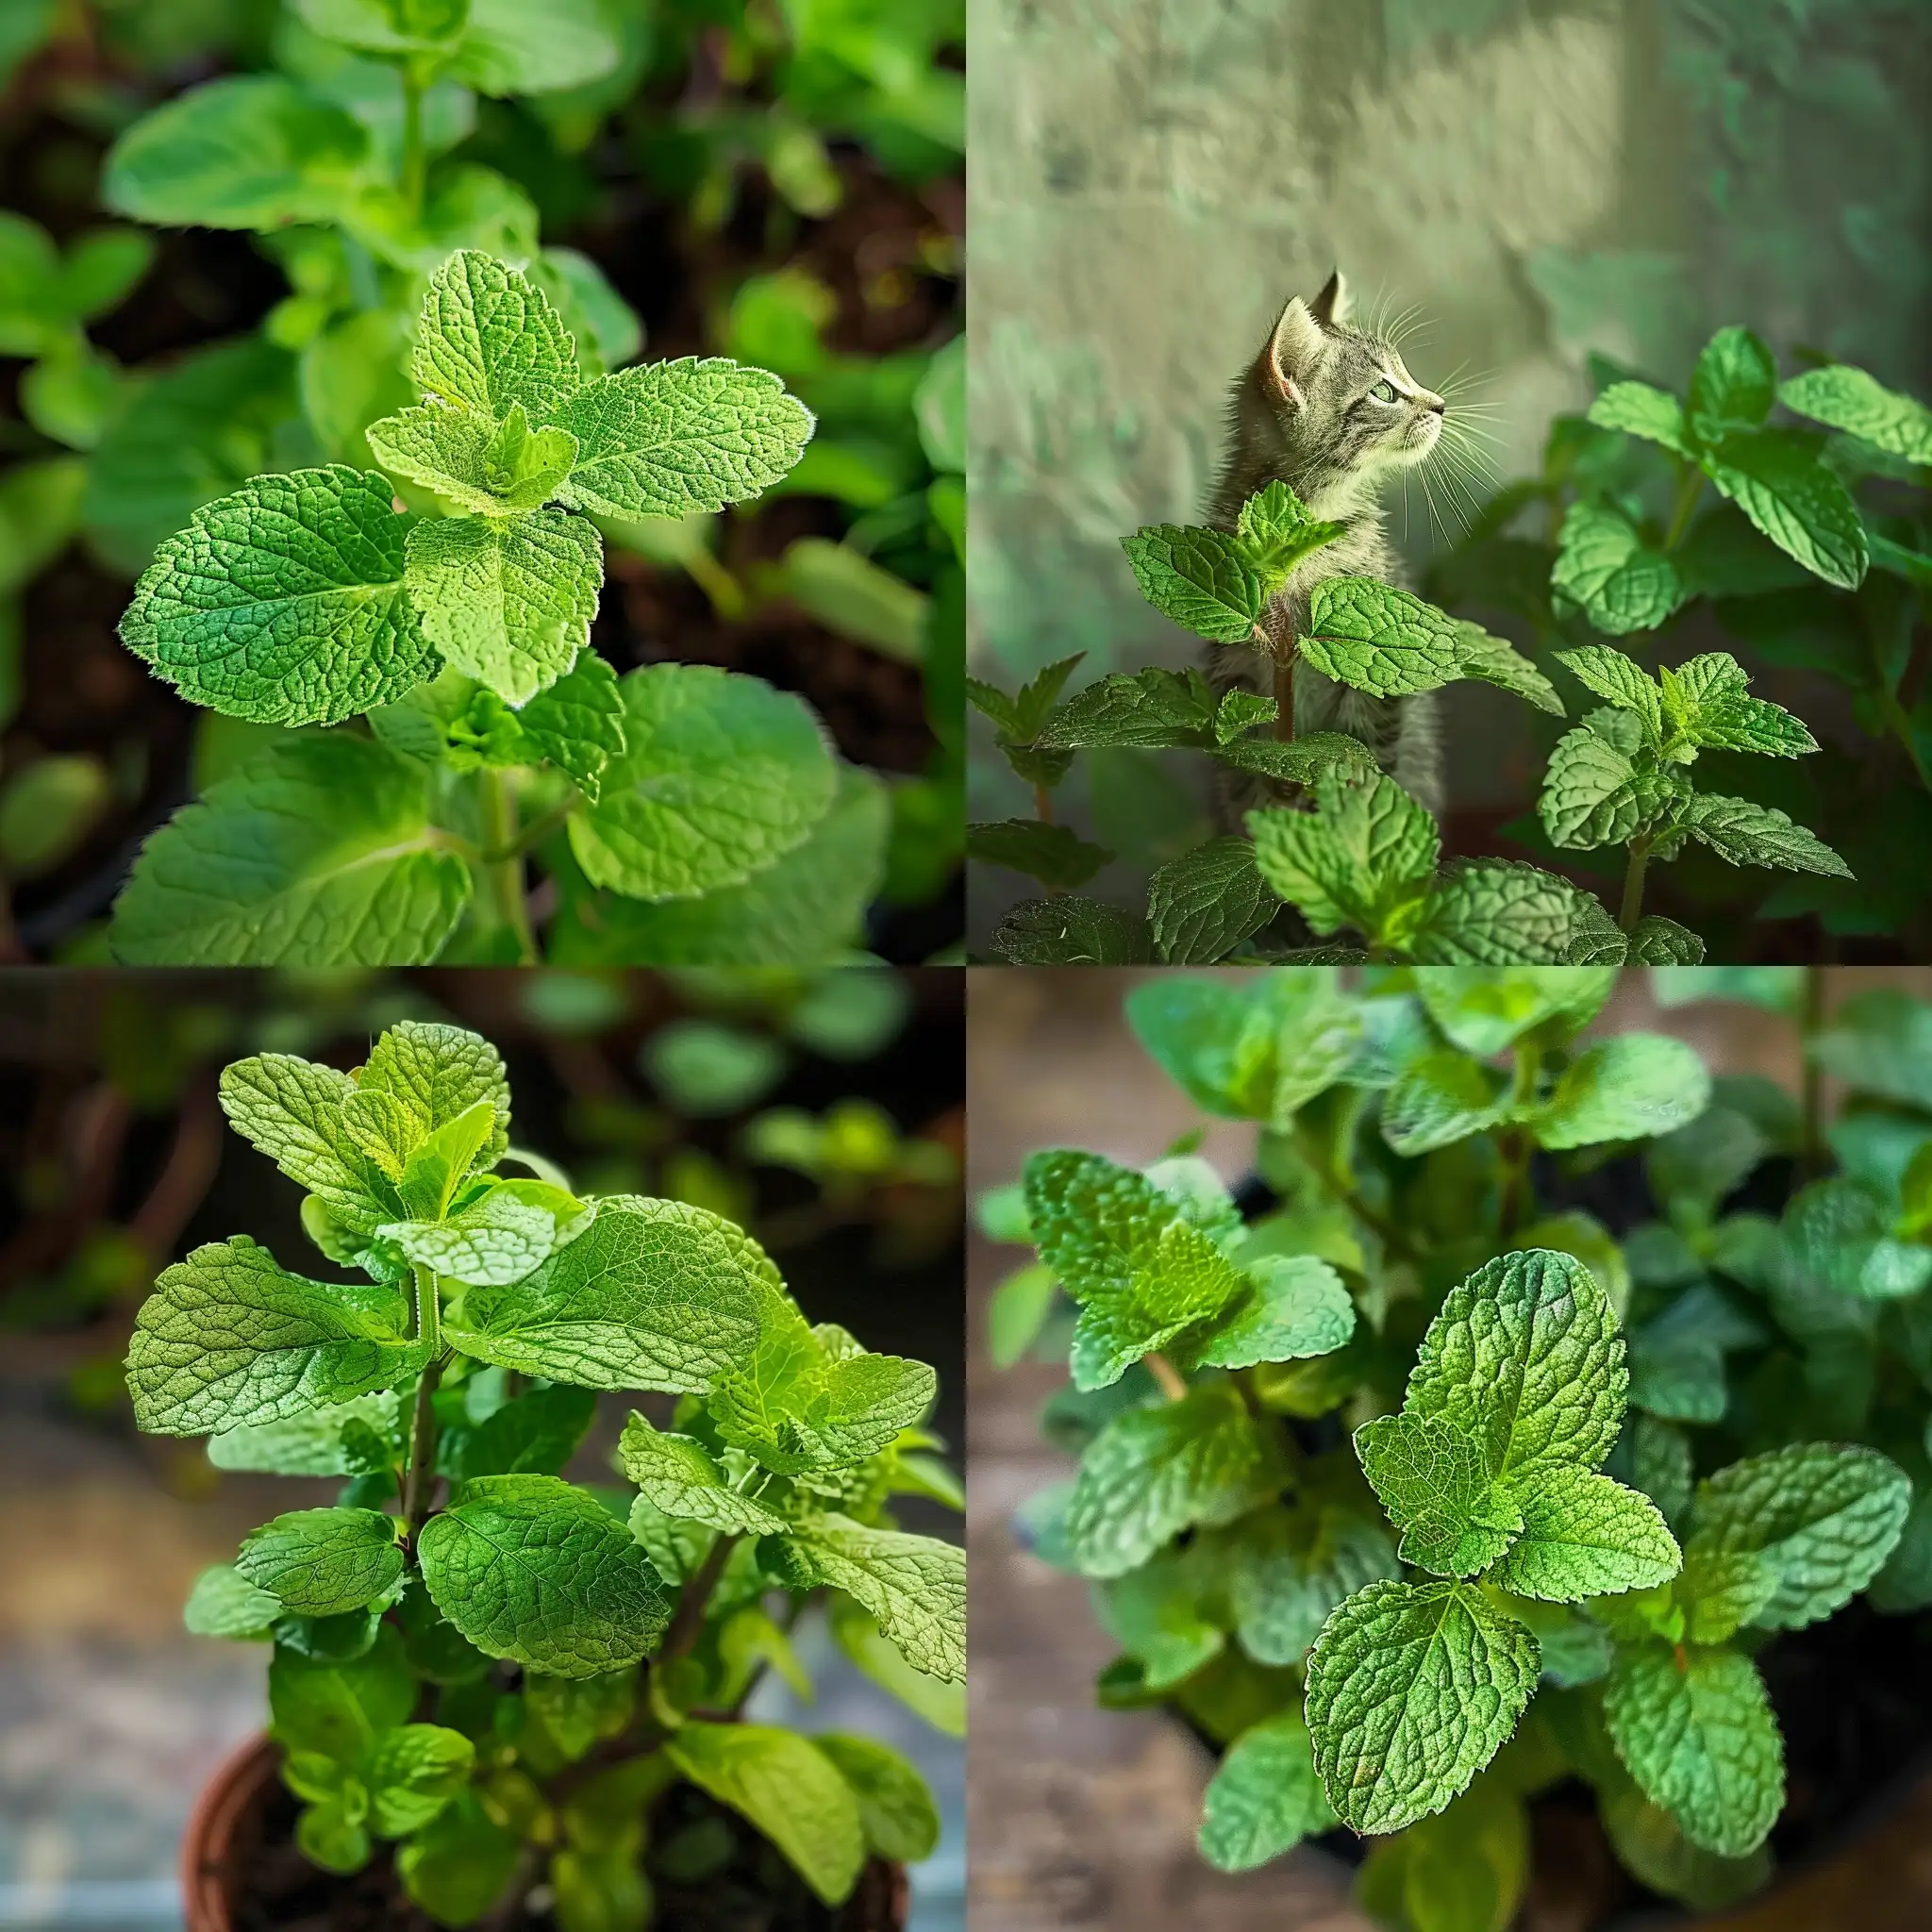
[{"x": 1150, "y": 179}]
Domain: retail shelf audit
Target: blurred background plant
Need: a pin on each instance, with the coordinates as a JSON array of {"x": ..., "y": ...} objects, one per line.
[{"x": 780, "y": 180}]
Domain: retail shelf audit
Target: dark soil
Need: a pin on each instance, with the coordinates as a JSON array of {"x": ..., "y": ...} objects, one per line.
[
  {"x": 749, "y": 1887},
  {"x": 888, "y": 252}
]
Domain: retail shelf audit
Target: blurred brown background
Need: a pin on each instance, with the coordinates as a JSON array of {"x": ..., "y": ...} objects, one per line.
[
  {"x": 1079, "y": 1816},
  {"x": 823, "y": 1109}
]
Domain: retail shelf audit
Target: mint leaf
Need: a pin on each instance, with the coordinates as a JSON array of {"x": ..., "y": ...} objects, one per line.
[
  {"x": 1776, "y": 478},
  {"x": 720, "y": 777},
  {"x": 1825, "y": 1516},
  {"x": 1843, "y": 1234},
  {"x": 1525, "y": 1355},
  {"x": 1363, "y": 860},
  {"x": 488, "y": 339},
  {"x": 1850, "y": 400},
  {"x": 1627, "y": 685},
  {"x": 1720, "y": 1592},
  {"x": 529, "y": 1568},
  {"x": 1298, "y": 1306},
  {"x": 1141, "y": 1270},
  {"x": 1706, "y": 702},
  {"x": 1493, "y": 661},
  {"x": 1265, "y": 1798},
  {"x": 1050, "y": 853},
  {"x": 1157, "y": 1616},
  {"x": 680, "y": 1477},
  {"x": 1496, "y": 912},
  {"x": 224, "y": 1604},
  {"x": 228, "y": 1338},
  {"x": 1628, "y": 1089},
  {"x": 1583, "y": 1535},
  {"x": 1380, "y": 640},
  {"x": 441, "y": 447},
  {"x": 901, "y": 1820},
  {"x": 1657, "y": 942},
  {"x": 436, "y": 1074},
  {"x": 653, "y": 1294},
  {"x": 291, "y": 1109},
  {"x": 1151, "y": 1472},
  {"x": 1440, "y": 1098},
  {"x": 1291, "y": 1568},
  {"x": 913, "y": 1587},
  {"x": 492, "y": 1244},
  {"x": 387, "y": 27},
  {"x": 1746, "y": 834},
  {"x": 942, "y": 1705},
  {"x": 577, "y": 723},
  {"x": 1412, "y": 1690},
  {"x": 507, "y": 50},
  {"x": 1603, "y": 566},
  {"x": 339, "y": 1709},
  {"x": 1205, "y": 903},
  {"x": 1701, "y": 1740},
  {"x": 1434, "y": 1481},
  {"x": 1071, "y": 931},
  {"x": 319, "y": 852},
  {"x": 319, "y": 1563},
  {"x": 1486, "y": 1012},
  {"x": 789, "y": 1790},
  {"x": 1151, "y": 708},
  {"x": 1733, "y": 385},
  {"x": 1275, "y": 532},
  {"x": 458, "y": 1864},
  {"x": 680, "y": 439},
  {"x": 1595, "y": 793},
  {"x": 411, "y": 1772},
  {"x": 284, "y": 602},
  {"x": 1200, "y": 578},
  {"x": 1638, "y": 409},
  {"x": 508, "y": 600},
  {"x": 253, "y": 151},
  {"x": 1301, "y": 760}
]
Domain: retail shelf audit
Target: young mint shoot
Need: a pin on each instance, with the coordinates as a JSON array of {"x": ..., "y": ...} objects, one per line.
[
  {"x": 1418, "y": 1493},
  {"x": 494, "y": 1668}
]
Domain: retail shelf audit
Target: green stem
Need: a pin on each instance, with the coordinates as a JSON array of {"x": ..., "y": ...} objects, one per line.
[
  {"x": 1689, "y": 488},
  {"x": 505, "y": 874},
  {"x": 421, "y": 1479},
  {"x": 533, "y": 834},
  {"x": 414, "y": 160},
  {"x": 1043, "y": 804},
  {"x": 1632, "y": 907},
  {"x": 688, "y": 1620},
  {"x": 1173, "y": 1383}
]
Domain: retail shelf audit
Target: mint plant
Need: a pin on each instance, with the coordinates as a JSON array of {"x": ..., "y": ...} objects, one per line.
[
  {"x": 1780, "y": 561},
  {"x": 312, "y": 598},
  {"x": 497, "y": 1672},
  {"x": 1416, "y": 1491}
]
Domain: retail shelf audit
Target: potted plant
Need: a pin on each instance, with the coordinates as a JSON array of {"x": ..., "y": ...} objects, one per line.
[
  {"x": 1538, "y": 1444},
  {"x": 497, "y": 1695}
]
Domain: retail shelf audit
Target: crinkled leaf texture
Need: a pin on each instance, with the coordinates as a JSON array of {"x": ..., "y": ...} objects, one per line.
[
  {"x": 790, "y": 1791},
  {"x": 1412, "y": 1690},
  {"x": 319, "y": 1563},
  {"x": 914, "y": 1586},
  {"x": 653, "y": 1295},
  {"x": 318, "y": 853},
  {"x": 227, "y": 1337},
  {"x": 1699, "y": 1737},
  {"x": 1824, "y": 1515},
  {"x": 489, "y": 338},
  {"x": 1432, "y": 1480},
  {"x": 1198, "y": 578},
  {"x": 1380, "y": 640},
  {"x": 680, "y": 439},
  {"x": 1265, "y": 1798},
  {"x": 720, "y": 776},
  {"x": 529, "y": 1568},
  {"x": 680, "y": 1476},
  {"x": 284, "y": 602},
  {"x": 1583, "y": 1535}
]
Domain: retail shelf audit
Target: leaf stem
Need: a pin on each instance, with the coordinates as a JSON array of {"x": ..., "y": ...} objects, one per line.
[
  {"x": 1173, "y": 1383},
  {"x": 688, "y": 1620},
  {"x": 1632, "y": 907},
  {"x": 505, "y": 874},
  {"x": 533, "y": 834},
  {"x": 1043, "y": 804},
  {"x": 1689, "y": 488},
  {"x": 421, "y": 1480},
  {"x": 414, "y": 161}
]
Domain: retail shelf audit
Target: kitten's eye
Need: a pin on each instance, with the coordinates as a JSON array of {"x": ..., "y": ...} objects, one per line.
[{"x": 1383, "y": 392}]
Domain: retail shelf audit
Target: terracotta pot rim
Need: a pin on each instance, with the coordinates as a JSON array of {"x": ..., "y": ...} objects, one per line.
[{"x": 233, "y": 1785}]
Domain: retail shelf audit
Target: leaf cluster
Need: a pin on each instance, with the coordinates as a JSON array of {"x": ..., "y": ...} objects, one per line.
[
  {"x": 473, "y": 1657},
  {"x": 1584, "y": 1477}
]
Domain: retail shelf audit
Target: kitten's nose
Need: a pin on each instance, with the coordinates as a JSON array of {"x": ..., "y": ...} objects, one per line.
[{"x": 1438, "y": 405}]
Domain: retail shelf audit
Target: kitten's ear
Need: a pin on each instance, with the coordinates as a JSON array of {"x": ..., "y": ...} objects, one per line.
[
  {"x": 1292, "y": 350},
  {"x": 1332, "y": 304}
]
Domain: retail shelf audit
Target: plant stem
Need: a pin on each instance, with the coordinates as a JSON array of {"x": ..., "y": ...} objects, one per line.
[
  {"x": 1043, "y": 804},
  {"x": 414, "y": 161},
  {"x": 1173, "y": 1383},
  {"x": 1689, "y": 488},
  {"x": 688, "y": 1620},
  {"x": 1284, "y": 696},
  {"x": 1812, "y": 1100},
  {"x": 421, "y": 1480},
  {"x": 505, "y": 875},
  {"x": 533, "y": 834},
  {"x": 1632, "y": 907}
]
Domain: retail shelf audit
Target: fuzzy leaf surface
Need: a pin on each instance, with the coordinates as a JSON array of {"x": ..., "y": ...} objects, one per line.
[
  {"x": 1265, "y": 1798},
  {"x": 683, "y": 1480},
  {"x": 914, "y": 1586},
  {"x": 1298, "y": 1306},
  {"x": 488, "y": 339},
  {"x": 1583, "y": 1535}
]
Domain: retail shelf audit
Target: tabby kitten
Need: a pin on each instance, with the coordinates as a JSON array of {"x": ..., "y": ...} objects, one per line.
[{"x": 1331, "y": 411}]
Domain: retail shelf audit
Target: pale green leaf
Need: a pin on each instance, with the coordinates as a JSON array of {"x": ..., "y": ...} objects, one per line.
[
  {"x": 319, "y": 1563},
  {"x": 488, "y": 339},
  {"x": 1706, "y": 701},
  {"x": 492, "y": 1244},
  {"x": 942, "y": 1705},
  {"x": 291, "y": 1109},
  {"x": 1485, "y": 1012},
  {"x": 1843, "y": 1234},
  {"x": 681, "y": 1477},
  {"x": 1630, "y": 1087},
  {"x": 1363, "y": 860},
  {"x": 1627, "y": 685},
  {"x": 1442, "y": 1097},
  {"x": 411, "y": 1774},
  {"x": 529, "y": 1568},
  {"x": 1583, "y": 1535},
  {"x": 1638, "y": 409},
  {"x": 1275, "y": 532},
  {"x": 284, "y": 603},
  {"x": 438, "y": 1072},
  {"x": 458, "y": 1864},
  {"x": 1412, "y": 1690},
  {"x": 1606, "y": 567},
  {"x": 511, "y": 48},
  {"x": 680, "y": 439},
  {"x": 901, "y": 1821},
  {"x": 1434, "y": 1481},
  {"x": 224, "y": 1604},
  {"x": 1850, "y": 400},
  {"x": 1198, "y": 578},
  {"x": 1265, "y": 1798},
  {"x": 229, "y": 1338},
  {"x": 1733, "y": 385},
  {"x": 1297, "y": 1306},
  {"x": 1380, "y": 640},
  {"x": 577, "y": 723},
  {"x": 1496, "y": 912},
  {"x": 913, "y": 1587},
  {"x": 720, "y": 776},
  {"x": 339, "y": 1709},
  {"x": 653, "y": 1294}
]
